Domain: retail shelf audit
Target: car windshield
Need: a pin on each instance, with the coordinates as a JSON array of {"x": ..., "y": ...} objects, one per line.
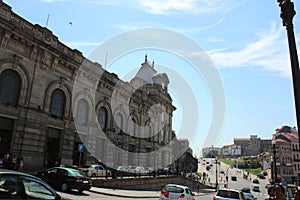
[
  {"x": 174, "y": 189},
  {"x": 75, "y": 173},
  {"x": 228, "y": 194},
  {"x": 248, "y": 195}
]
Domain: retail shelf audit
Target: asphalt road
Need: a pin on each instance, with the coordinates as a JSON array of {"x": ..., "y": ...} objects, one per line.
[
  {"x": 239, "y": 184},
  {"x": 86, "y": 195}
]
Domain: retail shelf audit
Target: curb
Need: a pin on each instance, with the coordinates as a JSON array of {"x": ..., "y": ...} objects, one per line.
[{"x": 120, "y": 195}]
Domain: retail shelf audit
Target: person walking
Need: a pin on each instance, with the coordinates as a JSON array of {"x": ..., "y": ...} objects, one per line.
[
  {"x": 21, "y": 164},
  {"x": 14, "y": 162}
]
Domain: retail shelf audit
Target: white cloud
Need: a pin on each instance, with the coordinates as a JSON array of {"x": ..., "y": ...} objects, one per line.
[
  {"x": 168, "y": 7},
  {"x": 269, "y": 51},
  {"x": 94, "y": 2}
]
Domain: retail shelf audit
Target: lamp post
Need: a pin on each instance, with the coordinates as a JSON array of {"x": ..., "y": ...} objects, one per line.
[
  {"x": 287, "y": 14},
  {"x": 227, "y": 175},
  {"x": 216, "y": 174},
  {"x": 274, "y": 160}
]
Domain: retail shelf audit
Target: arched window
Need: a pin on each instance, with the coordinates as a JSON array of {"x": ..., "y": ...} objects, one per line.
[
  {"x": 131, "y": 127},
  {"x": 10, "y": 84},
  {"x": 148, "y": 133},
  {"x": 119, "y": 123},
  {"x": 57, "y": 105},
  {"x": 82, "y": 112},
  {"x": 102, "y": 118}
]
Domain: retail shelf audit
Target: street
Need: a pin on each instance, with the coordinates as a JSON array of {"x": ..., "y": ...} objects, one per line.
[
  {"x": 241, "y": 181},
  {"x": 86, "y": 195},
  {"x": 232, "y": 172}
]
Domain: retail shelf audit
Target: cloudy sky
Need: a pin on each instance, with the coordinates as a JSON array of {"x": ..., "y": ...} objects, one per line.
[{"x": 244, "y": 40}]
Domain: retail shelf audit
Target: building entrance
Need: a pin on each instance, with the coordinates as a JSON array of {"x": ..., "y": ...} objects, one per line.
[
  {"x": 53, "y": 147},
  {"x": 6, "y": 130}
]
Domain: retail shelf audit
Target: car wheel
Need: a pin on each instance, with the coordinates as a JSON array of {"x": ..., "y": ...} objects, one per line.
[
  {"x": 64, "y": 187},
  {"x": 80, "y": 190}
]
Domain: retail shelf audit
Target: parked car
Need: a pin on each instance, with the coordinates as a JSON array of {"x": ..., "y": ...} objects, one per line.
[
  {"x": 234, "y": 178},
  {"x": 173, "y": 191},
  {"x": 227, "y": 194},
  {"x": 140, "y": 170},
  {"x": 164, "y": 171},
  {"x": 97, "y": 170},
  {"x": 18, "y": 185},
  {"x": 65, "y": 179}
]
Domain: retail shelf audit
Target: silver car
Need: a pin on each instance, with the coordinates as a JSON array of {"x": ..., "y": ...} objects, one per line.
[
  {"x": 97, "y": 170},
  {"x": 227, "y": 194},
  {"x": 173, "y": 191}
]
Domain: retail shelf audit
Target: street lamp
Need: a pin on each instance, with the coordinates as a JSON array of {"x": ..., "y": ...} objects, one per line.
[
  {"x": 274, "y": 160},
  {"x": 227, "y": 175},
  {"x": 287, "y": 14},
  {"x": 216, "y": 174}
]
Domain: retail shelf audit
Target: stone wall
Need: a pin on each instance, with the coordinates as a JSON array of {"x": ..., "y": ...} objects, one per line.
[{"x": 147, "y": 183}]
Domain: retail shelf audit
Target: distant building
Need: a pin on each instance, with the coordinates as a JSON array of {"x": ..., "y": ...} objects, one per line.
[
  {"x": 231, "y": 150},
  {"x": 252, "y": 146},
  {"x": 211, "y": 152},
  {"x": 285, "y": 141}
]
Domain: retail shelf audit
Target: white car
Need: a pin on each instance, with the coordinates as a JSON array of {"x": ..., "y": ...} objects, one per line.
[
  {"x": 173, "y": 191},
  {"x": 97, "y": 170},
  {"x": 140, "y": 170},
  {"x": 227, "y": 194}
]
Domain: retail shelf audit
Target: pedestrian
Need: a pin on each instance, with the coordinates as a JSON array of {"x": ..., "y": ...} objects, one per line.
[
  {"x": 297, "y": 194},
  {"x": 21, "y": 164},
  {"x": 279, "y": 192},
  {"x": 7, "y": 161},
  {"x": 14, "y": 162}
]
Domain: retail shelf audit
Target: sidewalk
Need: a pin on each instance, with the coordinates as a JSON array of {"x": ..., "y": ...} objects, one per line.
[{"x": 136, "y": 193}]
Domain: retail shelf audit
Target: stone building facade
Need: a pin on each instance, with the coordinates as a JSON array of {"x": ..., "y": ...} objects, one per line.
[
  {"x": 48, "y": 113},
  {"x": 252, "y": 146}
]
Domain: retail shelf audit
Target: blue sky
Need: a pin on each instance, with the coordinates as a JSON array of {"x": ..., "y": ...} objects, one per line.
[{"x": 245, "y": 41}]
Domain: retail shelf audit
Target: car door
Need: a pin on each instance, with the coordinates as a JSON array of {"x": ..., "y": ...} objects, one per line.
[
  {"x": 61, "y": 176},
  {"x": 50, "y": 176},
  {"x": 100, "y": 171}
]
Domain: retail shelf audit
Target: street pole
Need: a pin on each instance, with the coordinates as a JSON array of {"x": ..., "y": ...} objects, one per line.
[
  {"x": 287, "y": 14},
  {"x": 216, "y": 174}
]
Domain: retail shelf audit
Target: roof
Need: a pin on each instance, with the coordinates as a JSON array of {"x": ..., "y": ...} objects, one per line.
[
  {"x": 14, "y": 172},
  {"x": 146, "y": 72},
  {"x": 176, "y": 185},
  {"x": 246, "y": 139},
  {"x": 69, "y": 169}
]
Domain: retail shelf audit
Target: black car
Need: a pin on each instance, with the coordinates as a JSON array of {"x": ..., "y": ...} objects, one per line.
[
  {"x": 65, "y": 179},
  {"x": 18, "y": 185},
  {"x": 256, "y": 181}
]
